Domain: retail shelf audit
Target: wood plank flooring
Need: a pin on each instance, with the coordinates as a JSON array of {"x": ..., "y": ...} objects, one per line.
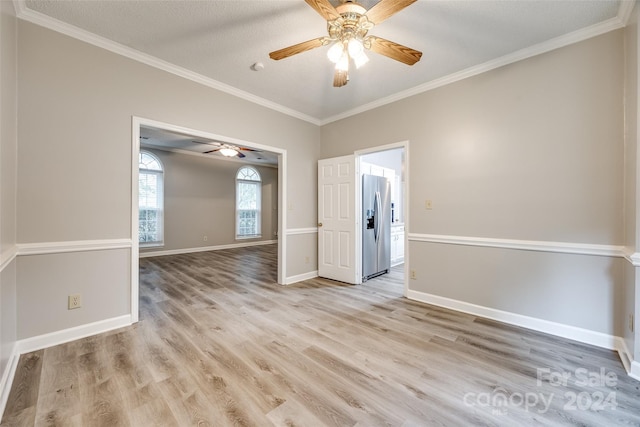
[{"x": 220, "y": 343}]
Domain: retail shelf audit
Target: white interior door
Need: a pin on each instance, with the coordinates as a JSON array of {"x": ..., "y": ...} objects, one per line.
[{"x": 338, "y": 220}]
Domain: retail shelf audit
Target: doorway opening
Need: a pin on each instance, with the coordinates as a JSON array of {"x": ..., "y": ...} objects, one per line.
[
  {"x": 194, "y": 147},
  {"x": 391, "y": 162}
]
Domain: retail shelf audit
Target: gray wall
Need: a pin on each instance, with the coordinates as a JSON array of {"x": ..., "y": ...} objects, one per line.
[
  {"x": 199, "y": 200},
  {"x": 74, "y": 164},
  {"x": 100, "y": 276},
  {"x": 8, "y": 147},
  {"x": 631, "y": 241},
  {"x": 532, "y": 151}
]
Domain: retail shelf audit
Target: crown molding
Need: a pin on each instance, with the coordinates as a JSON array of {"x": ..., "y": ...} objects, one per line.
[
  {"x": 29, "y": 15},
  {"x": 619, "y": 21},
  {"x": 624, "y": 11},
  {"x": 544, "y": 47}
]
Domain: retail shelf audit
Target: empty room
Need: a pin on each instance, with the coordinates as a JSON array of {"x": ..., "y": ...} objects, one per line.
[{"x": 319, "y": 212}]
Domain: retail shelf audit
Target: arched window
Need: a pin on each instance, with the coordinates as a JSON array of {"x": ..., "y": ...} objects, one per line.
[
  {"x": 248, "y": 203},
  {"x": 150, "y": 200}
]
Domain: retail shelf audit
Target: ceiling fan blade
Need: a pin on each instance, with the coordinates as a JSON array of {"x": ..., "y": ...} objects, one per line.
[
  {"x": 212, "y": 151},
  {"x": 240, "y": 155},
  {"x": 385, "y": 9},
  {"x": 296, "y": 49},
  {"x": 394, "y": 50},
  {"x": 340, "y": 78},
  {"x": 324, "y": 8}
]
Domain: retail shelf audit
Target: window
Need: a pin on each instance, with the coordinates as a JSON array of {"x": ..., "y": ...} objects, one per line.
[
  {"x": 150, "y": 200},
  {"x": 248, "y": 192}
]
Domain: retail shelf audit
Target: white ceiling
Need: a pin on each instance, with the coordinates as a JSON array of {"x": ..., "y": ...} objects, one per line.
[
  {"x": 220, "y": 40},
  {"x": 166, "y": 140}
]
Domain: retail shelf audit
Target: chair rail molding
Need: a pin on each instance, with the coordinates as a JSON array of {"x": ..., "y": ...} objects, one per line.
[
  {"x": 307, "y": 230},
  {"x": 7, "y": 256},
  {"x": 72, "y": 246},
  {"x": 528, "y": 245}
]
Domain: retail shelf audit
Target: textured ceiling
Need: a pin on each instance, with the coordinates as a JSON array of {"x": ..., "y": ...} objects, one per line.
[
  {"x": 222, "y": 39},
  {"x": 174, "y": 141}
]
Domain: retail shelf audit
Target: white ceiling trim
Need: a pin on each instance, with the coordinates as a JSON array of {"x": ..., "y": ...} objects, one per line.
[
  {"x": 555, "y": 43},
  {"x": 624, "y": 11},
  {"x": 26, "y": 14}
]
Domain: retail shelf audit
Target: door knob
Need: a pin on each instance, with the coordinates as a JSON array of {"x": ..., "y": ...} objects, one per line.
[{"x": 319, "y": 224}]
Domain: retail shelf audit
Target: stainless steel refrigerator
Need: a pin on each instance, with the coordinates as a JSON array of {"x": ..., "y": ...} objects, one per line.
[{"x": 376, "y": 226}]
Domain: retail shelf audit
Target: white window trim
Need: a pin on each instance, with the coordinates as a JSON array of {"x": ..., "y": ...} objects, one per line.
[
  {"x": 258, "y": 183},
  {"x": 158, "y": 243}
]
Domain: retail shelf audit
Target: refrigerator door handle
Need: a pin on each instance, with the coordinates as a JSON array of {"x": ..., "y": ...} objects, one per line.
[{"x": 376, "y": 225}]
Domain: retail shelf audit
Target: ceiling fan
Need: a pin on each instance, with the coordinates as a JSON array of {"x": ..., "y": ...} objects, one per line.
[
  {"x": 230, "y": 150},
  {"x": 348, "y": 25},
  {"x": 226, "y": 150}
]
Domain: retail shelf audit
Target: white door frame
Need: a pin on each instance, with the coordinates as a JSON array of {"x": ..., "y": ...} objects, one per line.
[
  {"x": 136, "y": 122},
  {"x": 405, "y": 198}
]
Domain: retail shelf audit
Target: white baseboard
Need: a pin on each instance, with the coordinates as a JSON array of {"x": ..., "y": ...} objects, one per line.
[
  {"x": 205, "y": 248},
  {"x": 48, "y": 340},
  {"x": 60, "y": 337},
  {"x": 586, "y": 336},
  {"x": 635, "y": 370},
  {"x": 625, "y": 355},
  {"x": 301, "y": 277},
  {"x": 7, "y": 378}
]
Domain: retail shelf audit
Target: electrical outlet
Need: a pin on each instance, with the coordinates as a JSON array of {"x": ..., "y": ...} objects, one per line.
[
  {"x": 205, "y": 238},
  {"x": 631, "y": 322},
  {"x": 413, "y": 274},
  {"x": 306, "y": 260},
  {"x": 75, "y": 301},
  {"x": 428, "y": 204}
]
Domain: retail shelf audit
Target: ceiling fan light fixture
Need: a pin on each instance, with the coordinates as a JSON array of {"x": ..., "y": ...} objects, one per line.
[
  {"x": 348, "y": 25},
  {"x": 360, "y": 59},
  {"x": 335, "y": 52},
  {"x": 343, "y": 63},
  {"x": 355, "y": 47},
  {"x": 228, "y": 152}
]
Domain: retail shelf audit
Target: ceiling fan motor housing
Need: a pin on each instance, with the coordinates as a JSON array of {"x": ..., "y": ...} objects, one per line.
[{"x": 352, "y": 23}]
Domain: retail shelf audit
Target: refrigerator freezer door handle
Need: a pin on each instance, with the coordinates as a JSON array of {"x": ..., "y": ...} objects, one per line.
[{"x": 376, "y": 230}]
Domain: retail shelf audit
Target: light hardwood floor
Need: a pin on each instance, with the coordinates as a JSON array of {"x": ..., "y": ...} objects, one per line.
[{"x": 219, "y": 343}]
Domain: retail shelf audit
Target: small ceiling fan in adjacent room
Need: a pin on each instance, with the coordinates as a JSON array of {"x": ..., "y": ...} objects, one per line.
[
  {"x": 348, "y": 25},
  {"x": 230, "y": 150}
]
